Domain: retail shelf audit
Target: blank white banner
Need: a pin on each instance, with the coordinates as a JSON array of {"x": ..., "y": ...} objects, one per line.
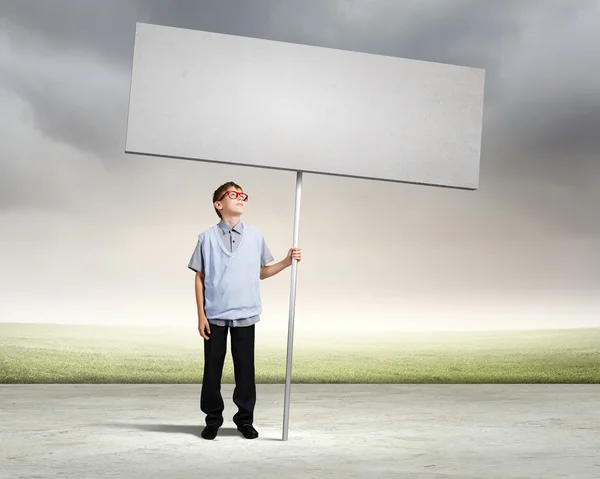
[{"x": 246, "y": 101}]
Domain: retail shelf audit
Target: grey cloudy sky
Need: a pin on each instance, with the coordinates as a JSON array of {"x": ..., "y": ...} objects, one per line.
[{"x": 83, "y": 221}]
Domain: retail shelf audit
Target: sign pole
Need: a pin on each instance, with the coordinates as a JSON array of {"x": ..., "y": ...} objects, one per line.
[{"x": 290, "y": 341}]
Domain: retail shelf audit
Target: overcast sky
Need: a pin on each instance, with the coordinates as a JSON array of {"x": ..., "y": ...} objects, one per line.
[{"x": 90, "y": 234}]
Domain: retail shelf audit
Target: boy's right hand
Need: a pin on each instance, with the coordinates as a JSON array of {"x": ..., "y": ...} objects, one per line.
[{"x": 204, "y": 328}]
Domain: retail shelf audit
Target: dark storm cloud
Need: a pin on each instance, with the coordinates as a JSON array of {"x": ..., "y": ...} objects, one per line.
[
  {"x": 539, "y": 56},
  {"x": 71, "y": 99},
  {"x": 107, "y": 28},
  {"x": 80, "y": 120}
]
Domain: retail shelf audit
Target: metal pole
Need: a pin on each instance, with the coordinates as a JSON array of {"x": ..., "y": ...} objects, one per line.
[{"x": 290, "y": 341}]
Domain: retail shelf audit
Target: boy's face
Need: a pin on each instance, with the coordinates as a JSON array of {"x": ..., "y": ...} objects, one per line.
[{"x": 230, "y": 205}]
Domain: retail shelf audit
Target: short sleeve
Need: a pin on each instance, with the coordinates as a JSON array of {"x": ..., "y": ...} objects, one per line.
[
  {"x": 196, "y": 261},
  {"x": 266, "y": 257}
]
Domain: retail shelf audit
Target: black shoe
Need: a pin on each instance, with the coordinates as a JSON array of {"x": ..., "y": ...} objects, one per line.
[
  {"x": 248, "y": 431},
  {"x": 210, "y": 432}
]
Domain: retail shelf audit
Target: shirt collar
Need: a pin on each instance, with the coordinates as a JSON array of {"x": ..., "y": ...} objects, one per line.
[{"x": 239, "y": 228}]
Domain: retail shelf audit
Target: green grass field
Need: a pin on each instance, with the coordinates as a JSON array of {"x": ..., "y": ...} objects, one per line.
[{"x": 41, "y": 353}]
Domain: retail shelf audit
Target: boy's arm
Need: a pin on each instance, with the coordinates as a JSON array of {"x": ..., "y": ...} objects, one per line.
[
  {"x": 203, "y": 324},
  {"x": 273, "y": 269},
  {"x": 199, "y": 287},
  {"x": 197, "y": 264}
]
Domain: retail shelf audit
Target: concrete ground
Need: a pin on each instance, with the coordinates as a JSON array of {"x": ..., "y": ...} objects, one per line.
[{"x": 341, "y": 431}]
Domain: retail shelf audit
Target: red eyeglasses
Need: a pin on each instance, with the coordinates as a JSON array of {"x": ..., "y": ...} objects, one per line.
[{"x": 234, "y": 195}]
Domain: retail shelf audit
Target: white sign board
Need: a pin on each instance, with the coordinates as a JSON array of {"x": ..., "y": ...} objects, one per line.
[{"x": 246, "y": 101}]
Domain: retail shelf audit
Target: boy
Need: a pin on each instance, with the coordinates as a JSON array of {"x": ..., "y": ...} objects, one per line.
[{"x": 230, "y": 259}]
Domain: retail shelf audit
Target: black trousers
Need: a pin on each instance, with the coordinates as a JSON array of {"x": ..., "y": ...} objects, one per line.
[{"x": 244, "y": 394}]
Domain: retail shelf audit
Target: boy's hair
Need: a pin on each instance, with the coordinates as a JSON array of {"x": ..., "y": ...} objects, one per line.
[{"x": 220, "y": 191}]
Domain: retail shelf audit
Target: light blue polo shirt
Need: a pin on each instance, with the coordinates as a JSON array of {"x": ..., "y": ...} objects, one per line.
[{"x": 218, "y": 248}]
